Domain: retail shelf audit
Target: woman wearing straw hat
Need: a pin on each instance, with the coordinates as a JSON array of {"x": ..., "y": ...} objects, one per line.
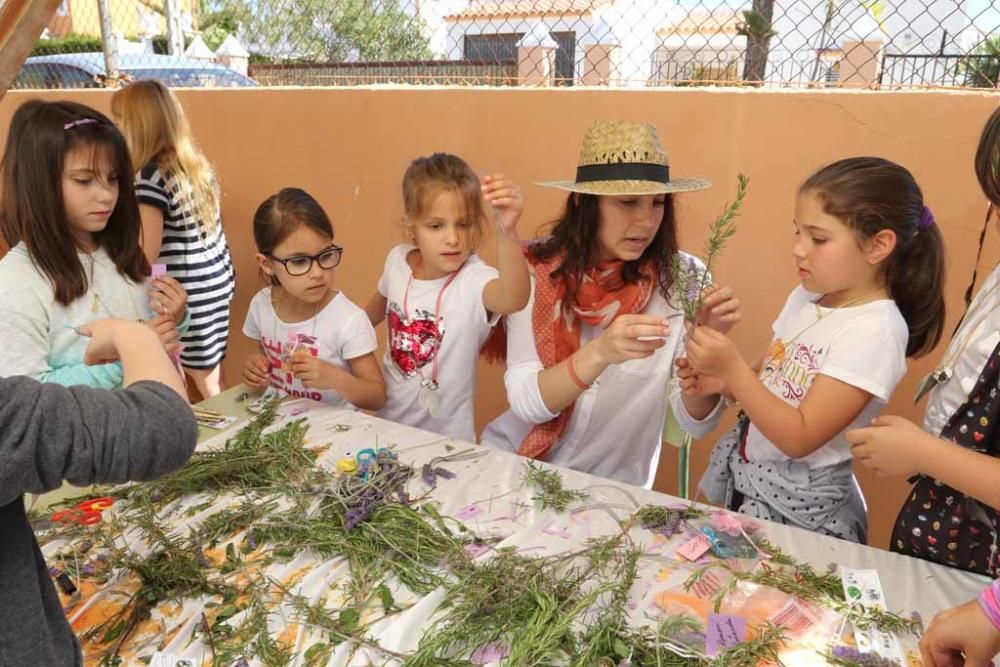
[{"x": 590, "y": 356}]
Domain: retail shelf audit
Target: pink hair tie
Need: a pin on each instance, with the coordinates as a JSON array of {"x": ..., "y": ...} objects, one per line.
[{"x": 81, "y": 121}]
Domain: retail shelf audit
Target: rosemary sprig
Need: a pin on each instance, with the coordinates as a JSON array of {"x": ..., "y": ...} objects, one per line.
[
  {"x": 551, "y": 494},
  {"x": 690, "y": 279}
]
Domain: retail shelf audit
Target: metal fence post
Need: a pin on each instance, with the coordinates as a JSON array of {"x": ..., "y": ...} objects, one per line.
[{"x": 110, "y": 44}]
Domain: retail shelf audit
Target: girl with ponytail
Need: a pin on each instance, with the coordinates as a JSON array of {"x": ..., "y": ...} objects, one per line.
[{"x": 871, "y": 265}]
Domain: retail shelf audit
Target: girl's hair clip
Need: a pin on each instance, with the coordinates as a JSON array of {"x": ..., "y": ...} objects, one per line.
[
  {"x": 81, "y": 121},
  {"x": 926, "y": 218}
]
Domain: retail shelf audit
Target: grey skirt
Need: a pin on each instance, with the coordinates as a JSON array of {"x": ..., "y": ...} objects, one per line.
[{"x": 824, "y": 500}]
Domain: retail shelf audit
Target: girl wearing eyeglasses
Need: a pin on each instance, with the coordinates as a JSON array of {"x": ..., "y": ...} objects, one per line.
[{"x": 313, "y": 342}]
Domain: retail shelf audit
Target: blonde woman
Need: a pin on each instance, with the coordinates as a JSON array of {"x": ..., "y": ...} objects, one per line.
[{"x": 179, "y": 203}]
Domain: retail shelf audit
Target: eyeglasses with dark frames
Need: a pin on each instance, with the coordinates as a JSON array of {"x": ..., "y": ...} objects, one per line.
[{"x": 300, "y": 265}]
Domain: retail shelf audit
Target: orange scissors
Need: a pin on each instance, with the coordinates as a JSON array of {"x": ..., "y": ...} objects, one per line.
[{"x": 85, "y": 513}]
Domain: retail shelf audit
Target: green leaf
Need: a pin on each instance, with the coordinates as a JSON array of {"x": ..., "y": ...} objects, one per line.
[
  {"x": 349, "y": 618},
  {"x": 226, "y": 612},
  {"x": 388, "y": 602},
  {"x": 622, "y": 649},
  {"x": 115, "y": 631}
]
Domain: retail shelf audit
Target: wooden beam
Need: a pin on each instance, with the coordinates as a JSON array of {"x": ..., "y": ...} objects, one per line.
[{"x": 21, "y": 22}]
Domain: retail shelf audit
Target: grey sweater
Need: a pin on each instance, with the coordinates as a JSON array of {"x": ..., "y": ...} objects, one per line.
[{"x": 50, "y": 433}]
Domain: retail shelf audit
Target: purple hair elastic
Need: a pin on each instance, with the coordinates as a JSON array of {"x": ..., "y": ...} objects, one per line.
[
  {"x": 926, "y": 219},
  {"x": 81, "y": 121}
]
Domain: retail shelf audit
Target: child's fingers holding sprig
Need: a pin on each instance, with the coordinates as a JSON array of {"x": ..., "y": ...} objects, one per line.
[
  {"x": 720, "y": 309},
  {"x": 712, "y": 353},
  {"x": 505, "y": 197},
  {"x": 693, "y": 383}
]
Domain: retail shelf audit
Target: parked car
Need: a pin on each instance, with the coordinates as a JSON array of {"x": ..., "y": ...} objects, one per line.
[{"x": 86, "y": 70}]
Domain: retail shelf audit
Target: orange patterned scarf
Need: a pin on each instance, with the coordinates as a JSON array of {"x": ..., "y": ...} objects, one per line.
[{"x": 599, "y": 300}]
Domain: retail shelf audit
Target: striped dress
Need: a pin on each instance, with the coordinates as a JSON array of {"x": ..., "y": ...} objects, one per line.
[{"x": 199, "y": 261}]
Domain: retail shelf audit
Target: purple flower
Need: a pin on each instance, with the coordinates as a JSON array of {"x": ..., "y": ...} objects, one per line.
[
  {"x": 846, "y": 653},
  {"x": 251, "y": 541},
  {"x": 88, "y": 570},
  {"x": 242, "y": 662},
  {"x": 103, "y": 558},
  {"x": 861, "y": 658},
  {"x": 54, "y": 572},
  {"x": 203, "y": 559},
  {"x": 428, "y": 474}
]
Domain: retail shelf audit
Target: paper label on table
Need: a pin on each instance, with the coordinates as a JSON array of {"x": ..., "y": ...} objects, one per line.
[
  {"x": 217, "y": 423},
  {"x": 161, "y": 659},
  {"x": 863, "y": 587},
  {"x": 159, "y": 270},
  {"x": 269, "y": 394},
  {"x": 794, "y": 619},
  {"x": 470, "y": 512},
  {"x": 724, "y": 632},
  {"x": 695, "y": 548}
]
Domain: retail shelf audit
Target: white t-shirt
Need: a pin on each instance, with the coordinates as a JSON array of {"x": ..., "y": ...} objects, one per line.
[
  {"x": 617, "y": 423},
  {"x": 979, "y": 333},
  {"x": 863, "y": 346},
  {"x": 339, "y": 332},
  {"x": 37, "y": 331},
  {"x": 415, "y": 343}
]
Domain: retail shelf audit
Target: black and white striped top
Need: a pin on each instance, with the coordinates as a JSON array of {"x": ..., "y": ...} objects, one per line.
[{"x": 199, "y": 260}]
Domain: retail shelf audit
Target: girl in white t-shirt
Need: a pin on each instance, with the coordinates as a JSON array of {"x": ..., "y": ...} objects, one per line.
[
  {"x": 439, "y": 299},
  {"x": 313, "y": 342},
  {"x": 871, "y": 264}
]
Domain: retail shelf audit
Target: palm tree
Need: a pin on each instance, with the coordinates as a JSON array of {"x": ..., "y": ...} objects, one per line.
[{"x": 756, "y": 27}]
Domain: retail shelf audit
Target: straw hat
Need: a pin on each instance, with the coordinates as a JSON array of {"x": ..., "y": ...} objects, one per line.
[{"x": 622, "y": 158}]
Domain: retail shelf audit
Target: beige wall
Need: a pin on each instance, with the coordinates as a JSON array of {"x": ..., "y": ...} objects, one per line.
[{"x": 349, "y": 148}]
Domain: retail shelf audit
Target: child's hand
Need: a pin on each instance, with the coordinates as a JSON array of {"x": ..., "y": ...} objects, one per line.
[
  {"x": 711, "y": 353},
  {"x": 312, "y": 372},
  {"x": 620, "y": 341},
  {"x": 504, "y": 196},
  {"x": 167, "y": 297},
  {"x": 693, "y": 383},
  {"x": 720, "y": 309},
  {"x": 166, "y": 331},
  {"x": 257, "y": 371},
  {"x": 961, "y": 631},
  {"x": 890, "y": 446}
]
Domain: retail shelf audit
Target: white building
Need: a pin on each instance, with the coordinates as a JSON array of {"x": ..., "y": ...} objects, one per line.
[{"x": 661, "y": 42}]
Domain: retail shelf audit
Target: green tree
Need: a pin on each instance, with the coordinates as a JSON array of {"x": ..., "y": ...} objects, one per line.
[
  {"x": 756, "y": 27},
  {"x": 983, "y": 69},
  {"x": 324, "y": 31}
]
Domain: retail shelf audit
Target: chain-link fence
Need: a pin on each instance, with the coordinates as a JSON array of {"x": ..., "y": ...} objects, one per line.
[{"x": 636, "y": 43}]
